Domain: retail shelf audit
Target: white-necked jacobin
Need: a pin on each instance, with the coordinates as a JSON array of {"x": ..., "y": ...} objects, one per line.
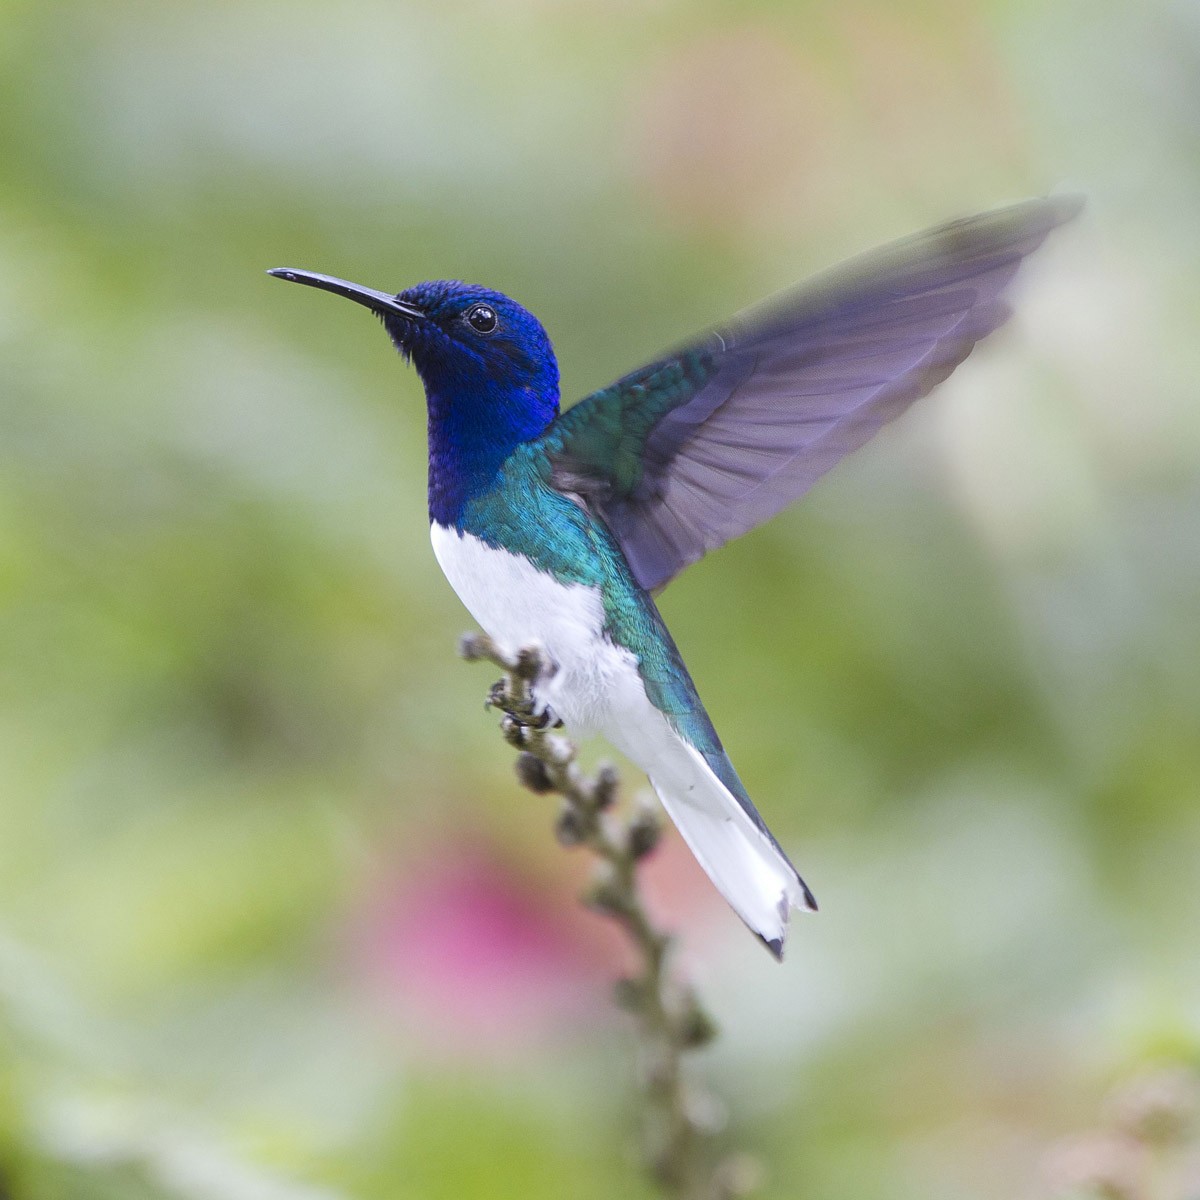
[{"x": 554, "y": 528}]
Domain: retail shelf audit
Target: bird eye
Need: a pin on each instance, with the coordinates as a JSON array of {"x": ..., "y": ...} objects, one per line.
[{"x": 482, "y": 318}]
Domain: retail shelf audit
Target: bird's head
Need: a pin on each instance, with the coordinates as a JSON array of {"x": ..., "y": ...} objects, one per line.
[
  {"x": 474, "y": 348},
  {"x": 490, "y": 376}
]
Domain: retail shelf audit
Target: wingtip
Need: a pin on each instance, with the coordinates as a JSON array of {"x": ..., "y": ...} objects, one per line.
[
  {"x": 1065, "y": 206},
  {"x": 1071, "y": 203},
  {"x": 1038, "y": 218}
]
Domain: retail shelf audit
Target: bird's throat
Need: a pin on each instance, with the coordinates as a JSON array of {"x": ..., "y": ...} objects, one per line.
[{"x": 471, "y": 438}]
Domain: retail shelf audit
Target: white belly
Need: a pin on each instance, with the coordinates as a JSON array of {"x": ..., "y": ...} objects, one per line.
[
  {"x": 597, "y": 689},
  {"x": 518, "y": 605}
]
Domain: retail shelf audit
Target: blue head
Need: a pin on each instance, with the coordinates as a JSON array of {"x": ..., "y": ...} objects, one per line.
[{"x": 490, "y": 376}]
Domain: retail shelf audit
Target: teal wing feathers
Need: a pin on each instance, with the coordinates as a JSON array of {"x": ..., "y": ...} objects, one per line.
[{"x": 697, "y": 448}]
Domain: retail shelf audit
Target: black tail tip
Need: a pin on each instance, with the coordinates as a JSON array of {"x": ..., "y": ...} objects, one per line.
[{"x": 774, "y": 945}]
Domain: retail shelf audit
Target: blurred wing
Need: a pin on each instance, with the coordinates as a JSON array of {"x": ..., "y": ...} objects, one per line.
[{"x": 681, "y": 456}]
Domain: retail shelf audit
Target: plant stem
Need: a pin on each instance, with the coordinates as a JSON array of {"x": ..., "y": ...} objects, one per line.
[{"x": 676, "y": 1130}]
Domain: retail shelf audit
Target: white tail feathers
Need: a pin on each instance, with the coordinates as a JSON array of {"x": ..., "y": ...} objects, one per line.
[{"x": 748, "y": 869}]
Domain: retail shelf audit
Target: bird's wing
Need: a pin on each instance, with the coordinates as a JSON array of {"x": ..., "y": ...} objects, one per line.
[{"x": 701, "y": 446}]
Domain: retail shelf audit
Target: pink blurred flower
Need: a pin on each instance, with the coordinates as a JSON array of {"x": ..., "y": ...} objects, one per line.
[{"x": 473, "y": 952}]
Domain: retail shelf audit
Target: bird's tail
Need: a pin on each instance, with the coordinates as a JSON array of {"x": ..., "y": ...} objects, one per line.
[{"x": 733, "y": 845}]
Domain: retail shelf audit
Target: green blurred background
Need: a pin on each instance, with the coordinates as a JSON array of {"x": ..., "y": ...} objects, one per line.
[{"x": 275, "y": 921}]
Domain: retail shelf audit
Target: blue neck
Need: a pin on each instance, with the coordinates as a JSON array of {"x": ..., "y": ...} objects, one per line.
[{"x": 471, "y": 436}]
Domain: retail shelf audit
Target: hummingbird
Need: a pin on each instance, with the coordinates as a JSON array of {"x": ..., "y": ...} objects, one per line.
[{"x": 556, "y": 528}]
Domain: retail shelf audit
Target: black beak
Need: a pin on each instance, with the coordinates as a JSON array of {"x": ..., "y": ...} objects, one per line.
[{"x": 379, "y": 302}]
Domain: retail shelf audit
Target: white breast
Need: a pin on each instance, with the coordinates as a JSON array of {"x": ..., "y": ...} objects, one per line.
[{"x": 518, "y": 605}]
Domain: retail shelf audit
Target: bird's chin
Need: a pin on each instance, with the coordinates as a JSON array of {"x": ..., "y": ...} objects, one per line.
[{"x": 402, "y": 332}]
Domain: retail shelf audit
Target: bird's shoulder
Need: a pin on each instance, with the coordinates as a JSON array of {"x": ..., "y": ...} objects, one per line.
[{"x": 523, "y": 512}]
